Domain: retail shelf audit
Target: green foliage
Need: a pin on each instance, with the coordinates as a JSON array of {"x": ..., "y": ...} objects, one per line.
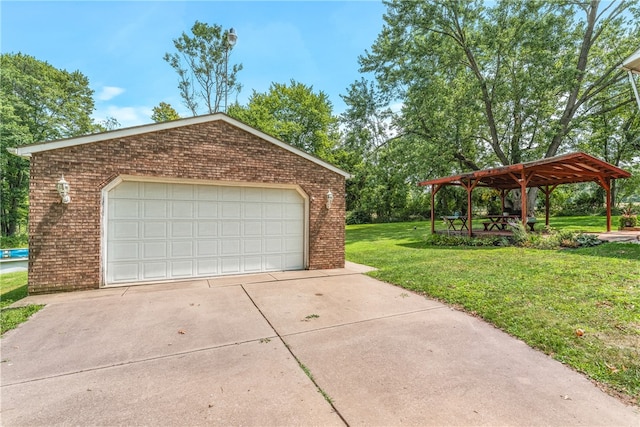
[
  {"x": 628, "y": 221},
  {"x": 295, "y": 114},
  {"x": 164, "y": 112},
  {"x": 37, "y": 103},
  {"x": 13, "y": 287},
  {"x": 541, "y": 297},
  {"x": 458, "y": 240},
  {"x": 488, "y": 84},
  {"x": 10, "y": 318},
  {"x": 18, "y": 240},
  {"x": 201, "y": 62}
]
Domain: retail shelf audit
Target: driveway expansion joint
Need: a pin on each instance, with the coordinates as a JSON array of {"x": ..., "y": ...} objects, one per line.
[{"x": 300, "y": 364}]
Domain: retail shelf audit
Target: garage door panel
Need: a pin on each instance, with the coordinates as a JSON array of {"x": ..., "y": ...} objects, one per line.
[
  {"x": 230, "y": 228},
  {"x": 230, "y": 265},
  {"x": 207, "y": 210},
  {"x": 292, "y": 262},
  {"x": 182, "y": 229},
  {"x": 182, "y": 268},
  {"x": 273, "y": 228},
  {"x": 274, "y": 195},
  {"x": 207, "y": 229},
  {"x": 161, "y": 231},
  {"x": 272, "y": 211},
  {"x": 272, "y": 246},
  {"x": 252, "y": 264},
  {"x": 124, "y": 251},
  {"x": 124, "y": 272},
  {"x": 230, "y": 247},
  {"x": 154, "y": 190},
  {"x": 182, "y": 210},
  {"x": 124, "y": 209},
  {"x": 154, "y": 270},
  {"x": 252, "y": 228},
  {"x": 207, "y": 248},
  {"x": 206, "y": 192},
  {"x": 157, "y": 249},
  {"x": 154, "y": 230},
  {"x": 273, "y": 263},
  {"x": 293, "y": 228},
  {"x": 207, "y": 267},
  {"x": 252, "y": 210},
  {"x": 181, "y": 249},
  {"x": 293, "y": 211},
  {"x": 292, "y": 245},
  {"x": 252, "y": 194},
  {"x": 154, "y": 209},
  {"x": 182, "y": 192},
  {"x": 231, "y": 194},
  {"x": 252, "y": 246},
  {"x": 125, "y": 230},
  {"x": 126, "y": 190},
  {"x": 230, "y": 210}
]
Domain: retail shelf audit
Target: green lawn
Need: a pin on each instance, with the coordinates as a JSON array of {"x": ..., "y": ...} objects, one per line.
[
  {"x": 540, "y": 296},
  {"x": 13, "y": 287}
]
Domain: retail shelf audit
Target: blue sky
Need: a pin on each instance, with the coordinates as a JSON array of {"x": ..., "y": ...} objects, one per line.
[{"x": 119, "y": 45}]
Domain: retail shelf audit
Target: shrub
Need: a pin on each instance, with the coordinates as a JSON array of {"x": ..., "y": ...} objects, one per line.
[
  {"x": 15, "y": 241},
  {"x": 358, "y": 217},
  {"x": 587, "y": 240},
  {"x": 457, "y": 240}
]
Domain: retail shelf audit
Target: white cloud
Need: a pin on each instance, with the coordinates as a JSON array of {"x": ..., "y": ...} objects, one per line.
[
  {"x": 126, "y": 116},
  {"x": 109, "y": 92}
]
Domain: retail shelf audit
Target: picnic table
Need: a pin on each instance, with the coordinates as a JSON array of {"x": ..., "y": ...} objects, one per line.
[
  {"x": 500, "y": 222},
  {"x": 450, "y": 221}
]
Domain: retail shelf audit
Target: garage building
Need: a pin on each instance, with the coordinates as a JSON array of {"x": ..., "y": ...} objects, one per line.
[{"x": 192, "y": 198}]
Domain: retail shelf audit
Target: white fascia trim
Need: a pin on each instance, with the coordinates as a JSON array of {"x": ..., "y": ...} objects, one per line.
[
  {"x": 632, "y": 63},
  {"x": 27, "y": 150}
]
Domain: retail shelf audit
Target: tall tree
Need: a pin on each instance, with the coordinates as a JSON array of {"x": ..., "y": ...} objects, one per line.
[
  {"x": 293, "y": 113},
  {"x": 487, "y": 84},
  {"x": 38, "y": 102},
  {"x": 201, "y": 62},
  {"x": 164, "y": 112}
]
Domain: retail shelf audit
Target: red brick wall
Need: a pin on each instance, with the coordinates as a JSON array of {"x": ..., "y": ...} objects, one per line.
[{"x": 64, "y": 240}]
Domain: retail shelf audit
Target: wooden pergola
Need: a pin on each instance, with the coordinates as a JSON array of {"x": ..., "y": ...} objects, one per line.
[{"x": 545, "y": 174}]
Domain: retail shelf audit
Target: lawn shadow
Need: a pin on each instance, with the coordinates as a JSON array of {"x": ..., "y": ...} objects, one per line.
[{"x": 630, "y": 251}]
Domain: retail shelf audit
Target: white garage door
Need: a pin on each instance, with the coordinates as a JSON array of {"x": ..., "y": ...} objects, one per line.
[{"x": 162, "y": 231}]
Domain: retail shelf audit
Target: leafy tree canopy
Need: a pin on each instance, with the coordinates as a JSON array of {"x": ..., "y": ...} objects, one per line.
[
  {"x": 164, "y": 112},
  {"x": 38, "y": 102},
  {"x": 201, "y": 62},
  {"x": 293, "y": 113},
  {"x": 500, "y": 83}
]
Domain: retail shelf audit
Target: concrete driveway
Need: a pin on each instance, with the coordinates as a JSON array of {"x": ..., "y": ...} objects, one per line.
[{"x": 263, "y": 349}]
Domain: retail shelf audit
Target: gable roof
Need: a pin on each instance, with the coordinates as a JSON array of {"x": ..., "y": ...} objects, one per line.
[
  {"x": 564, "y": 169},
  {"x": 28, "y": 150}
]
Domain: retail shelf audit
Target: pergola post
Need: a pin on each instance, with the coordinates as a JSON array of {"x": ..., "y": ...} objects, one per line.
[
  {"x": 606, "y": 184},
  {"x": 523, "y": 198},
  {"x": 546, "y": 190},
  {"x": 434, "y": 189},
  {"x": 469, "y": 186},
  {"x": 503, "y": 196}
]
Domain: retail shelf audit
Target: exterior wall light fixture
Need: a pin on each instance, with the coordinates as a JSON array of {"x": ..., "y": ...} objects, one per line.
[
  {"x": 329, "y": 199},
  {"x": 63, "y": 190}
]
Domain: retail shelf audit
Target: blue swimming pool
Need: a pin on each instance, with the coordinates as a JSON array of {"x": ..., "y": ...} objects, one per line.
[{"x": 15, "y": 253}]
